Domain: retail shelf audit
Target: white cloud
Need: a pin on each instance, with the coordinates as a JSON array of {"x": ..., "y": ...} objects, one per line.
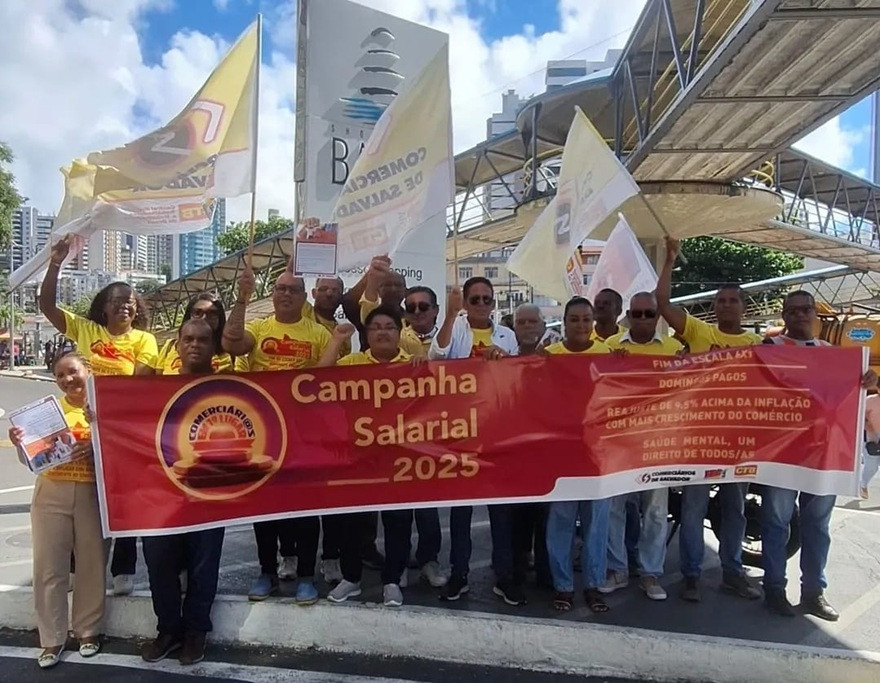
[{"x": 836, "y": 145}]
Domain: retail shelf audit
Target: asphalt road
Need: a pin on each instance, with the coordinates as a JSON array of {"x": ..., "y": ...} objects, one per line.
[{"x": 853, "y": 574}]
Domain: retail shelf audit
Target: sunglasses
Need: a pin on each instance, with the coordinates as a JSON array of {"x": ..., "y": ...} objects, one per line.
[
  {"x": 421, "y": 307},
  {"x": 650, "y": 315},
  {"x": 477, "y": 300}
]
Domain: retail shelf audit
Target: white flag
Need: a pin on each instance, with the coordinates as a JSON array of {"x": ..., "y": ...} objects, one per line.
[
  {"x": 404, "y": 175},
  {"x": 623, "y": 266},
  {"x": 592, "y": 185}
]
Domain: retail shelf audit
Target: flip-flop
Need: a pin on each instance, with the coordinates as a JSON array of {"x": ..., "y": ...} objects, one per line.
[
  {"x": 595, "y": 601},
  {"x": 562, "y": 601}
]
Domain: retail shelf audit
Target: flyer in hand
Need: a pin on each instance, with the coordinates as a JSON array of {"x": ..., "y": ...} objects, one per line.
[{"x": 48, "y": 441}]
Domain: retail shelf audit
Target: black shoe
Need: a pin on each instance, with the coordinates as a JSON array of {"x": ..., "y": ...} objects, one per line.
[
  {"x": 739, "y": 585},
  {"x": 776, "y": 601},
  {"x": 193, "y": 650},
  {"x": 372, "y": 558},
  {"x": 690, "y": 589},
  {"x": 510, "y": 592},
  {"x": 818, "y": 606},
  {"x": 158, "y": 649},
  {"x": 455, "y": 588}
]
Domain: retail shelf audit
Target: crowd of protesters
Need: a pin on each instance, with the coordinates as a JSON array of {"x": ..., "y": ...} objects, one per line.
[{"x": 617, "y": 539}]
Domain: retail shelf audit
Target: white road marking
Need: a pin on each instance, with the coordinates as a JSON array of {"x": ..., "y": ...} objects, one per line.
[
  {"x": 16, "y": 489},
  {"x": 830, "y": 631},
  {"x": 220, "y": 670}
]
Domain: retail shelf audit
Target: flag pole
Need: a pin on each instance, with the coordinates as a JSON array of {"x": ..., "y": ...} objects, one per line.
[
  {"x": 653, "y": 213},
  {"x": 256, "y": 115}
]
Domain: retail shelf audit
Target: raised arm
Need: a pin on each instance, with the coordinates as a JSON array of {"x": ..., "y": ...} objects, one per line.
[
  {"x": 236, "y": 340},
  {"x": 675, "y": 316},
  {"x": 440, "y": 345},
  {"x": 49, "y": 288},
  {"x": 341, "y": 334}
]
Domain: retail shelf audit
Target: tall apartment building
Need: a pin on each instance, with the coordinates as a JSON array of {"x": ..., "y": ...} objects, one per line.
[
  {"x": 30, "y": 233},
  {"x": 192, "y": 251},
  {"x": 561, "y": 72}
]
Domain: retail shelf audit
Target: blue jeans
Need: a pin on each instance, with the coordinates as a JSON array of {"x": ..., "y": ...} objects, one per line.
[
  {"x": 460, "y": 541},
  {"x": 199, "y": 553},
  {"x": 777, "y": 507},
  {"x": 652, "y": 536},
  {"x": 691, "y": 541},
  {"x": 561, "y": 524}
]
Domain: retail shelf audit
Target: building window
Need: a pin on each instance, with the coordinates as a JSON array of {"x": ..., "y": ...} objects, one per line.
[
  {"x": 465, "y": 272},
  {"x": 491, "y": 272},
  {"x": 587, "y": 278},
  {"x": 592, "y": 259},
  {"x": 566, "y": 71}
]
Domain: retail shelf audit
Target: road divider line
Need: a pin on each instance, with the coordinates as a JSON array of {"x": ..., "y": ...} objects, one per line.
[{"x": 17, "y": 489}]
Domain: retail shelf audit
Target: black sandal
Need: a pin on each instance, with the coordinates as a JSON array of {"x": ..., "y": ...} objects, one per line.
[
  {"x": 562, "y": 601},
  {"x": 595, "y": 601}
]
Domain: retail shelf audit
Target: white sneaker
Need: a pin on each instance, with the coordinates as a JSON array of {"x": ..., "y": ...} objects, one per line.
[
  {"x": 331, "y": 571},
  {"x": 123, "y": 584},
  {"x": 392, "y": 596},
  {"x": 344, "y": 591},
  {"x": 615, "y": 581},
  {"x": 432, "y": 574},
  {"x": 652, "y": 588},
  {"x": 287, "y": 569}
]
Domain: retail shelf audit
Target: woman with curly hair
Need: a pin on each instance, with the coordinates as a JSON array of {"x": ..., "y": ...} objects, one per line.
[{"x": 113, "y": 338}]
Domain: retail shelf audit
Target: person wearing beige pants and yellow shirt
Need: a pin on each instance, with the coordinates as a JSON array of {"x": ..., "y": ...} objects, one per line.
[{"x": 64, "y": 518}]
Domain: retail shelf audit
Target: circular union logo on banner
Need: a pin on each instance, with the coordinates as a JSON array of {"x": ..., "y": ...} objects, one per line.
[{"x": 221, "y": 437}]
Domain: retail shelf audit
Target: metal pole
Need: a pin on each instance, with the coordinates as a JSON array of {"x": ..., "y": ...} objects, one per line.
[
  {"x": 11, "y": 327},
  {"x": 876, "y": 129}
]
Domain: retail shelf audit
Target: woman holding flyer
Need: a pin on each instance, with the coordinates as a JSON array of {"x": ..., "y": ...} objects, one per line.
[
  {"x": 65, "y": 519},
  {"x": 114, "y": 339}
]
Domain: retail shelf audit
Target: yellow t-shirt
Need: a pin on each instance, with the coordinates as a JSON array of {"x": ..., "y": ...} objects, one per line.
[
  {"x": 366, "y": 358},
  {"x": 82, "y": 469},
  {"x": 482, "y": 341},
  {"x": 594, "y": 335},
  {"x": 308, "y": 311},
  {"x": 410, "y": 342},
  {"x": 659, "y": 346},
  {"x": 109, "y": 354},
  {"x": 286, "y": 346},
  {"x": 559, "y": 348},
  {"x": 701, "y": 336},
  {"x": 242, "y": 364},
  {"x": 169, "y": 361}
]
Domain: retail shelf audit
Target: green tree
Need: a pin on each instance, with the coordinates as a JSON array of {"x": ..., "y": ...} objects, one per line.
[
  {"x": 9, "y": 197},
  {"x": 237, "y": 235},
  {"x": 713, "y": 261},
  {"x": 81, "y": 306},
  {"x": 147, "y": 286},
  {"x": 165, "y": 270},
  {"x": 8, "y": 310}
]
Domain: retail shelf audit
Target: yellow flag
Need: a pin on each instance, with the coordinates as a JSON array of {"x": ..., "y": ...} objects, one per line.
[
  {"x": 403, "y": 177},
  {"x": 592, "y": 185}
]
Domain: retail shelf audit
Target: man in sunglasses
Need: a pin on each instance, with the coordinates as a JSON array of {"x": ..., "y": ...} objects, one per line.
[
  {"x": 468, "y": 336},
  {"x": 327, "y": 295},
  {"x": 777, "y": 504},
  {"x": 700, "y": 336},
  {"x": 642, "y": 338},
  {"x": 420, "y": 318}
]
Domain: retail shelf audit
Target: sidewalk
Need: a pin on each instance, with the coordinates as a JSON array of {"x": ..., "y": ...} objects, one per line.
[
  {"x": 722, "y": 639},
  {"x": 29, "y": 372}
]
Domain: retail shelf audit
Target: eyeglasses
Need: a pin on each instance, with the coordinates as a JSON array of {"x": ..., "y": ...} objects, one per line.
[
  {"x": 477, "y": 300},
  {"x": 648, "y": 314},
  {"x": 420, "y": 306},
  {"x": 806, "y": 310},
  {"x": 382, "y": 328},
  {"x": 289, "y": 289}
]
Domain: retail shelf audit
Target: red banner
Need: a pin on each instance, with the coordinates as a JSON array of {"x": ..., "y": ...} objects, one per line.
[{"x": 181, "y": 452}]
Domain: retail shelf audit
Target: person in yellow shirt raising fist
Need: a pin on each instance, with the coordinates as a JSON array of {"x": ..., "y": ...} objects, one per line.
[
  {"x": 700, "y": 336},
  {"x": 562, "y": 519},
  {"x": 284, "y": 340}
]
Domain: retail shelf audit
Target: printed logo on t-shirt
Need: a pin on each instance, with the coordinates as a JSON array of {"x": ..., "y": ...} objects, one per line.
[
  {"x": 290, "y": 348},
  {"x": 108, "y": 350},
  {"x": 81, "y": 432}
]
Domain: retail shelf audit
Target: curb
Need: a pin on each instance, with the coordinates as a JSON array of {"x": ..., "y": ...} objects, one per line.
[
  {"x": 25, "y": 375},
  {"x": 488, "y": 639}
]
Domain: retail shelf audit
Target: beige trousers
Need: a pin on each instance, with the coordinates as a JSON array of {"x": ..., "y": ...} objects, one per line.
[{"x": 65, "y": 518}]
